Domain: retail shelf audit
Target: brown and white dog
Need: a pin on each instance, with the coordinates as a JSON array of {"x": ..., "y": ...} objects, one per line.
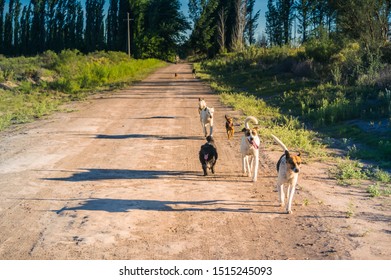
[
  {"x": 229, "y": 126},
  {"x": 249, "y": 148},
  {"x": 288, "y": 168}
]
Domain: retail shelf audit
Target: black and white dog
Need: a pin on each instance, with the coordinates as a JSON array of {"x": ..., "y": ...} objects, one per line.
[{"x": 208, "y": 155}]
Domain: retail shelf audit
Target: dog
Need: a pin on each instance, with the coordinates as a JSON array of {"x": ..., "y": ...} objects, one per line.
[
  {"x": 206, "y": 118},
  {"x": 249, "y": 148},
  {"x": 208, "y": 155},
  {"x": 229, "y": 127},
  {"x": 201, "y": 105},
  {"x": 288, "y": 168}
]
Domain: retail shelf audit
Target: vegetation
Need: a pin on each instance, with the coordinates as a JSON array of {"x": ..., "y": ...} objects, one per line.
[{"x": 36, "y": 86}]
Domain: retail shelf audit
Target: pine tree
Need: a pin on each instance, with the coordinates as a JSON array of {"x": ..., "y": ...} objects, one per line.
[
  {"x": 112, "y": 26},
  {"x": 8, "y": 28},
  {"x": 94, "y": 31},
  {"x": 2, "y": 5},
  {"x": 252, "y": 19},
  {"x": 16, "y": 27}
]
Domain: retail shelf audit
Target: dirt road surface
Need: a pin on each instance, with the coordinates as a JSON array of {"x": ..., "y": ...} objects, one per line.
[{"x": 119, "y": 178}]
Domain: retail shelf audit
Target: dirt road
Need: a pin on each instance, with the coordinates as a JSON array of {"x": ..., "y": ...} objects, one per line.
[{"x": 119, "y": 178}]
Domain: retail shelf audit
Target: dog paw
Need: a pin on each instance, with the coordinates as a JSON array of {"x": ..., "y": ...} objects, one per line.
[{"x": 289, "y": 211}]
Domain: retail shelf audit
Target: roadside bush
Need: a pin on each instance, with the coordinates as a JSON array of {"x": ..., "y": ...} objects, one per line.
[{"x": 321, "y": 50}]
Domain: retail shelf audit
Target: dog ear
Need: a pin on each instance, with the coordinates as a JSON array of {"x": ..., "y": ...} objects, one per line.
[
  {"x": 244, "y": 129},
  {"x": 299, "y": 154},
  {"x": 287, "y": 154}
]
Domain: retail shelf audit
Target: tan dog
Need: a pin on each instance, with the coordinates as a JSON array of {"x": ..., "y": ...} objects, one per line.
[
  {"x": 288, "y": 168},
  {"x": 201, "y": 104},
  {"x": 249, "y": 148},
  {"x": 229, "y": 126}
]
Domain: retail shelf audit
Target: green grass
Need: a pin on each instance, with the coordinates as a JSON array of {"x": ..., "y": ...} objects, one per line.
[
  {"x": 289, "y": 92},
  {"x": 46, "y": 81}
]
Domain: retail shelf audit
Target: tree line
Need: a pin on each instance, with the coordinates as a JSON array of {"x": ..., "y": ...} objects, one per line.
[
  {"x": 229, "y": 25},
  {"x": 156, "y": 26},
  {"x": 367, "y": 21},
  {"x": 222, "y": 25}
]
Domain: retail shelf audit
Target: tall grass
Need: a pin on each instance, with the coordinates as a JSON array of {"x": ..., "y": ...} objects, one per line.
[
  {"x": 294, "y": 86},
  {"x": 42, "y": 83}
]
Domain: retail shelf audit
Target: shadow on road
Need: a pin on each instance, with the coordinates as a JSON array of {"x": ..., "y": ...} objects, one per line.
[
  {"x": 115, "y": 174},
  {"x": 126, "y": 205}
]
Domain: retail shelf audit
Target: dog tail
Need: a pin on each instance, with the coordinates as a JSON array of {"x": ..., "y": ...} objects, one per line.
[
  {"x": 248, "y": 119},
  {"x": 279, "y": 142}
]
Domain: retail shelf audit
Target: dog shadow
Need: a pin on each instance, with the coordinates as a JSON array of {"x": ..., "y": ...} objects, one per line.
[
  {"x": 128, "y": 205},
  {"x": 146, "y": 136},
  {"x": 96, "y": 174}
]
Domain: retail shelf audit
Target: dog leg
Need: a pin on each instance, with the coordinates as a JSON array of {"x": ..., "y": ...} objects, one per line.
[
  {"x": 250, "y": 164},
  {"x": 205, "y": 168},
  {"x": 244, "y": 165},
  {"x": 204, "y": 128},
  {"x": 291, "y": 192},
  {"x": 281, "y": 194},
  {"x": 255, "y": 175},
  {"x": 211, "y": 130}
]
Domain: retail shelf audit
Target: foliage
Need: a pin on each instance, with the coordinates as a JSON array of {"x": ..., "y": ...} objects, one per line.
[{"x": 44, "y": 82}]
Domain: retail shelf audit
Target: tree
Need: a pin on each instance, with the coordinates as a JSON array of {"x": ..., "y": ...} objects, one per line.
[
  {"x": 285, "y": 14},
  {"x": 251, "y": 24},
  {"x": 164, "y": 31},
  {"x": 240, "y": 24},
  {"x": 221, "y": 28},
  {"x": 8, "y": 28},
  {"x": 37, "y": 42},
  {"x": 303, "y": 14},
  {"x": 112, "y": 26},
  {"x": 94, "y": 31},
  {"x": 16, "y": 41},
  {"x": 2, "y": 4},
  {"x": 203, "y": 35},
  {"x": 273, "y": 24},
  {"x": 25, "y": 25},
  {"x": 365, "y": 20}
]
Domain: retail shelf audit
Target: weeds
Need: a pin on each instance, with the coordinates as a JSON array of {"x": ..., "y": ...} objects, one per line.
[{"x": 44, "y": 82}]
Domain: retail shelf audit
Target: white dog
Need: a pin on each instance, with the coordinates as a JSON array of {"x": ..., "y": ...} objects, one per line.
[
  {"x": 288, "y": 168},
  {"x": 206, "y": 117},
  {"x": 249, "y": 148},
  {"x": 201, "y": 105}
]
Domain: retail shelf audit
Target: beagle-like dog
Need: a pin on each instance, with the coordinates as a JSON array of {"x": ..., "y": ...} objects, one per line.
[{"x": 288, "y": 168}]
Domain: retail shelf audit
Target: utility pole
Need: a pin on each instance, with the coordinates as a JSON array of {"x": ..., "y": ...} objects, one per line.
[{"x": 128, "y": 20}]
